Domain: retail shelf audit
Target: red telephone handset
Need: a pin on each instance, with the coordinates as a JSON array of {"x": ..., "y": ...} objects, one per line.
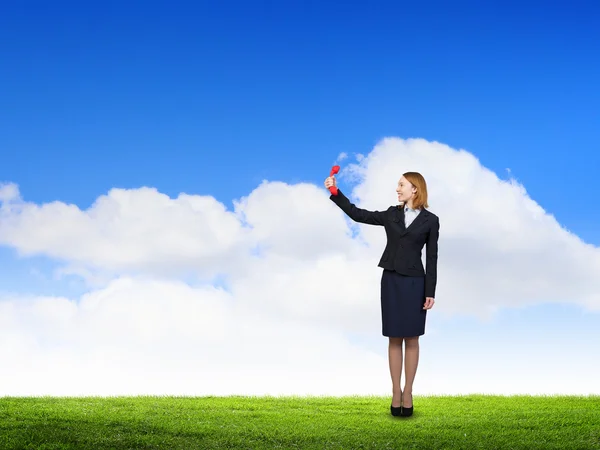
[{"x": 334, "y": 170}]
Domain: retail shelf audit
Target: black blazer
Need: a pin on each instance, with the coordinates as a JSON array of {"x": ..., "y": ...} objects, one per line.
[{"x": 403, "y": 251}]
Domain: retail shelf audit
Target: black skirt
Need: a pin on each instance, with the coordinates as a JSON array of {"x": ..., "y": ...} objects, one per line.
[{"x": 402, "y": 301}]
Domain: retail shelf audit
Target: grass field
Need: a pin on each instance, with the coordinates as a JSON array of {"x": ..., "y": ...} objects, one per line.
[{"x": 468, "y": 422}]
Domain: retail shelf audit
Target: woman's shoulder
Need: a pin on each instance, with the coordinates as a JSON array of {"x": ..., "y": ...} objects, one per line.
[{"x": 431, "y": 214}]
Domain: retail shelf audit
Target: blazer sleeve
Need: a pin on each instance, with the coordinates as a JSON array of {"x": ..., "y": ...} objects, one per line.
[
  {"x": 431, "y": 258},
  {"x": 357, "y": 214}
]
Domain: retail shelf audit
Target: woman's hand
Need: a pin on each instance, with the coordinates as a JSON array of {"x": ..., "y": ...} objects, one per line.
[
  {"x": 329, "y": 181},
  {"x": 428, "y": 303}
]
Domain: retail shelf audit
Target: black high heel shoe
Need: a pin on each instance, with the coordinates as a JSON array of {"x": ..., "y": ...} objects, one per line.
[
  {"x": 406, "y": 412},
  {"x": 396, "y": 410}
]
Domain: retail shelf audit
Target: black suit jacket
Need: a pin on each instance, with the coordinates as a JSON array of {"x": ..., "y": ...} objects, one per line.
[{"x": 403, "y": 251}]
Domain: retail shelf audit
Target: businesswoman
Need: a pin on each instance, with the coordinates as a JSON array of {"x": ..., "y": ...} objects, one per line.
[{"x": 407, "y": 289}]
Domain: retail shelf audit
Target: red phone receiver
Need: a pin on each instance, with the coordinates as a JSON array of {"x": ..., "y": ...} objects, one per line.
[{"x": 334, "y": 170}]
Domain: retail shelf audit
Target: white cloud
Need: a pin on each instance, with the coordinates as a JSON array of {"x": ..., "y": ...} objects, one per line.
[
  {"x": 140, "y": 336},
  {"x": 341, "y": 157},
  {"x": 299, "y": 283},
  {"x": 125, "y": 230},
  {"x": 9, "y": 192}
]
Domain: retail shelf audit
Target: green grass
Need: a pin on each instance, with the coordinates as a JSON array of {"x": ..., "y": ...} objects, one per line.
[{"x": 439, "y": 422}]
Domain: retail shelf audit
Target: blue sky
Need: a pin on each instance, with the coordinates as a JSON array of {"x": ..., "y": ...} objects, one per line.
[
  {"x": 103, "y": 95},
  {"x": 212, "y": 99}
]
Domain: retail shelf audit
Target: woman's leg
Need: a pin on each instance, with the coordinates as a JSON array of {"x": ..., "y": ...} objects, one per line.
[
  {"x": 395, "y": 356},
  {"x": 411, "y": 361}
]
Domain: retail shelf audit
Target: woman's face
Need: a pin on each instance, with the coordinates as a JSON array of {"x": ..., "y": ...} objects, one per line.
[{"x": 405, "y": 190}]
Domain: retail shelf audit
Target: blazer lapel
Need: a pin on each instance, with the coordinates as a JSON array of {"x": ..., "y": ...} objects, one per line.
[
  {"x": 399, "y": 218},
  {"x": 419, "y": 220}
]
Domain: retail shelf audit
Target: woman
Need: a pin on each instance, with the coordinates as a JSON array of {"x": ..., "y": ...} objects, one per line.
[{"x": 407, "y": 289}]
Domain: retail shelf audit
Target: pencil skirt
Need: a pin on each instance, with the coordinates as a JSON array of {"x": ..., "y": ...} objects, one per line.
[{"x": 402, "y": 301}]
